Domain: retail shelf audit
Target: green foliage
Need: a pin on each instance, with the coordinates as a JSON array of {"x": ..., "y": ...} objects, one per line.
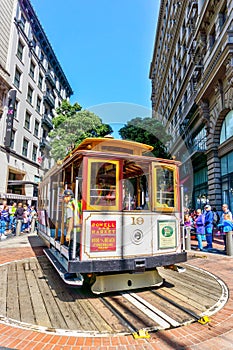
[
  {"x": 149, "y": 131},
  {"x": 66, "y": 110},
  {"x": 71, "y": 126}
]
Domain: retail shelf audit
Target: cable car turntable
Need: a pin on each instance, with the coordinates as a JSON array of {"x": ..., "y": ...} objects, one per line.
[{"x": 33, "y": 296}]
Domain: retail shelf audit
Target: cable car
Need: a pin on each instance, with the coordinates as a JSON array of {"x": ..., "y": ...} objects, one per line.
[{"x": 127, "y": 214}]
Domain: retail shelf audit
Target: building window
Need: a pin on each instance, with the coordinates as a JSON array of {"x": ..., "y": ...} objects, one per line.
[
  {"x": 27, "y": 120},
  {"x": 17, "y": 78},
  {"x": 45, "y": 133},
  {"x": 200, "y": 176},
  {"x": 20, "y": 50},
  {"x": 227, "y": 128},
  {"x": 36, "y": 129},
  {"x": 30, "y": 94},
  {"x": 22, "y": 22},
  {"x": 183, "y": 27},
  {"x": 40, "y": 81},
  {"x": 42, "y": 57},
  {"x": 38, "y": 104},
  {"x": 34, "y": 153},
  {"x": 212, "y": 38},
  {"x": 227, "y": 164},
  {"x": 32, "y": 70},
  {"x": 175, "y": 119},
  {"x": 25, "y": 148},
  {"x": 222, "y": 17},
  {"x": 12, "y": 139},
  {"x": 199, "y": 141},
  {"x": 16, "y": 109},
  {"x": 180, "y": 109}
]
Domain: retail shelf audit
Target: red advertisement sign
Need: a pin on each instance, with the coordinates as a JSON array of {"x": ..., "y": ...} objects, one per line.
[{"x": 103, "y": 236}]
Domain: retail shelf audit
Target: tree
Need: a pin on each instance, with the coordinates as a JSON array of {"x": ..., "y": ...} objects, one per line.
[
  {"x": 71, "y": 126},
  {"x": 149, "y": 131},
  {"x": 66, "y": 110}
]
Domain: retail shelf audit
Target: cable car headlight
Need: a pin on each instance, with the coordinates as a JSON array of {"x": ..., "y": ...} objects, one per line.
[{"x": 137, "y": 236}]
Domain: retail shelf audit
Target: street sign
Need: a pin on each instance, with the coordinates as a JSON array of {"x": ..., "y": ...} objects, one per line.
[{"x": 10, "y": 117}]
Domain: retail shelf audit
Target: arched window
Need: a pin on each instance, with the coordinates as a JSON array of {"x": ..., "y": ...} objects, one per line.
[{"x": 227, "y": 128}]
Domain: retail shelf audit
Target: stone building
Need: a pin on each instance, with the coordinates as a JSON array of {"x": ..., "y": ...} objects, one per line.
[
  {"x": 192, "y": 94},
  {"x": 30, "y": 68}
]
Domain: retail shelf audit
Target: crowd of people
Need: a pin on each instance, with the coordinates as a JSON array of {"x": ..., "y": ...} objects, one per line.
[
  {"x": 201, "y": 223},
  {"x": 204, "y": 223},
  {"x": 15, "y": 214}
]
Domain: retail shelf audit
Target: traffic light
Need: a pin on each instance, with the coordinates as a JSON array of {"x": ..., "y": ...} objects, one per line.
[{"x": 10, "y": 117}]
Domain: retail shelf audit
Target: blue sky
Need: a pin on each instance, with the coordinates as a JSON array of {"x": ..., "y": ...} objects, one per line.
[{"x": 105, "y": 48}]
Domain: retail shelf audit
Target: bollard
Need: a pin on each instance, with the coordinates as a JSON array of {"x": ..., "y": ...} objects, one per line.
[
  {"x": 187, "y": 238},
  {"x": 18, "y": 227},
  {"x": 33, "y": 224},
  {"x": 229, "y": 243}
]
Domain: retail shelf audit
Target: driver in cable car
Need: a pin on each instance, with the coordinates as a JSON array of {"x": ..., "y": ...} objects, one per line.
[{"x": 72, "y": 219}]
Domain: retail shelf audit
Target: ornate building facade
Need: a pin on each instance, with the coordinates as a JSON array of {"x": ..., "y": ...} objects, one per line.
[
  {"x": 30, "y": 69},
  {"x": 192, "y": 94}
]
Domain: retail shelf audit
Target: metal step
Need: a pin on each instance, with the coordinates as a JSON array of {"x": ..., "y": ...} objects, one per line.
[{"x": 74, "y": 279}]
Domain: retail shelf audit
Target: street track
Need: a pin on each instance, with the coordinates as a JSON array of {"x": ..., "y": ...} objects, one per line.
[{"x": 33, "y": 296}]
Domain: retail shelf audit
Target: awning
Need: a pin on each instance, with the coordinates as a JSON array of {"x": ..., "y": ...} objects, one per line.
[
  {"x": 17, "y": 196},
  {"x": 21, "y": 182}
]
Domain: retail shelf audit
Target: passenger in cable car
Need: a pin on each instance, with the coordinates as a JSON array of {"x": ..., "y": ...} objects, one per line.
[{"x": 106, "y": 194}]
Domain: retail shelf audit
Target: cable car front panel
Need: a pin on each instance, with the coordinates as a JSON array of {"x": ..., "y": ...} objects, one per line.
[{"x": 128, "y": 234}]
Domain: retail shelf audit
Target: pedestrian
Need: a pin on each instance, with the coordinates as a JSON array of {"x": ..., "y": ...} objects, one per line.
[
  {"x": 33, "y": 218},
  {"x": 12, "y": 211},
  {"x": 209, "y": 217},
  {"x": 26, "y": 218},
  {"x": 225, "y": 210},
  {"x": 216, "y": 217},
  {"x": 188, "y": 224},
  {"x": 19, "y": 215},
  {"x": 4, "y": 219},
  {"x": 200, "y": 227},
  {"x": 188, "y": 221},
  {"x": 224, "y": 227},
  {"x": 227, "y": 226}
]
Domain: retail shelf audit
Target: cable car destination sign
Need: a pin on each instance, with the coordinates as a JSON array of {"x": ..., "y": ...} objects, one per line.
[{"x": 103, "y": 235}]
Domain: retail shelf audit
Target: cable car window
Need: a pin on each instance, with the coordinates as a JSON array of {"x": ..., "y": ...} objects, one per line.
[
  {"x": 164, "y": 187},
  {"x": 136, "y": 193},
  {"x": 103, "y": 184},
  {"x": 135, "y": 185}
]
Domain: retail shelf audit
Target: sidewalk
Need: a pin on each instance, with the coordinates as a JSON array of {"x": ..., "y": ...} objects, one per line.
[
  {"x": 215, "y": 335},
  {"x": 218, "y": 245}
]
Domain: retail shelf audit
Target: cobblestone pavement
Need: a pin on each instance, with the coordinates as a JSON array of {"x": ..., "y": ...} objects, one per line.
[{"x": 215, "y": 335}]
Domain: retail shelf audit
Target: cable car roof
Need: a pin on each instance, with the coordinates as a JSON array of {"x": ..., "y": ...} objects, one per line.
[{"x": 109, "y": 144}]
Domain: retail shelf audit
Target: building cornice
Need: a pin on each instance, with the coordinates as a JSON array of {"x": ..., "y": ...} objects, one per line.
[
  {"x": 157, "y": 35},
  {"x": 172, "y": 33},
  {"x": 39, "y": 33}
]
